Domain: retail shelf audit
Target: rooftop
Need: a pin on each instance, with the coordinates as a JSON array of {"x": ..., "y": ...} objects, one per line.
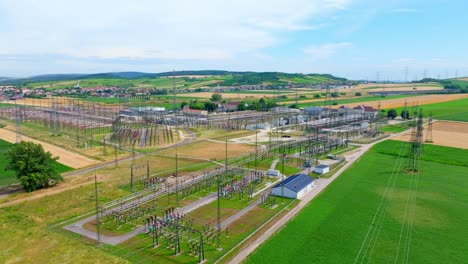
[
  {"x": 295, "y": 182},
  {"x": 322, "y": 166}
]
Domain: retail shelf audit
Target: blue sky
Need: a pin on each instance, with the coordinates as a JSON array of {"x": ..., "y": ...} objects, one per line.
[{"x": 357, "y": 39}]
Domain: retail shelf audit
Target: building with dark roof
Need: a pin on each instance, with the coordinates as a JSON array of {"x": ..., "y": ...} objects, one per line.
[{"x": 295, "y": 186}]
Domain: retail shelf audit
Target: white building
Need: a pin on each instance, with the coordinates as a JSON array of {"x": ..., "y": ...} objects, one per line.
[
  {"x": 322, "y": 169},
  {"x": 295, "y": 186}
]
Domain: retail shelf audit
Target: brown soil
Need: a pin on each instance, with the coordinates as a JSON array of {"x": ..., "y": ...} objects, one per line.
[
  {"x": 66, "y": 157},
  {"x": 444, "y": 133},
  {"x": 415, "y": 100}
]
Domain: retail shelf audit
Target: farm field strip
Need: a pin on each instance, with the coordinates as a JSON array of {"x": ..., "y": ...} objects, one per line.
[
  {"x": 450, "y": 134},
  {"x": 414, "y": 222},
  {"x": 66, "y": 157}
]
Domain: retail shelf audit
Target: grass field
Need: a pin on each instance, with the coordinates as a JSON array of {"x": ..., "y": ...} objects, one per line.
[
  {"x": 397, "y": 128},
  {"x": 453, "y": 110},
  {"x": 332, "y": 228},
  {"x": 8, "y": 177}
]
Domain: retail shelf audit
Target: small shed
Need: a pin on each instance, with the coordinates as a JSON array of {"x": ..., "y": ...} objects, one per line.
[
  {"x": 322, "y": 169},
  {"x": 295, "y": 186}
]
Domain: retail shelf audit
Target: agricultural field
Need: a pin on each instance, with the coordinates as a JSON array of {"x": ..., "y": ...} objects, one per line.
[
  {"x": 8, "y": 177},
  {"x": 68, "y": 158},
  {"x": 455, "y": 110},
  {"x": 418, "y": 221},
  {"x": 450, "y": 134},
  {"x": 398, "y": 101}
]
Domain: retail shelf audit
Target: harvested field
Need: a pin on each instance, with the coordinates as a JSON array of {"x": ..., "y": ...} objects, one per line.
[
  {"x": 414, "y": 100},
  {"x": 60, "y": 101},
  {"x": 450, "y": 134},
  {"x": 209, "y": 150},
  {"x": 68, "y": 158},
  {"x": 249, "y": 94},
  {"x": 396, "y": 87}
]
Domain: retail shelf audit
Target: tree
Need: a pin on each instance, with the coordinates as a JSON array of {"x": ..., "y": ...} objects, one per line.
[
  {"x": 405, "y": 114},
  {"x": 241, "y": 106},
  {"x": 358, "y": 94},
  {"x": 216, "y": 97},
  {"x": 392, "y": 114},
  {"x": 210, "y": 106},
  {"x": 34, "y": 167},
  {"x": 316, "y": 95}
]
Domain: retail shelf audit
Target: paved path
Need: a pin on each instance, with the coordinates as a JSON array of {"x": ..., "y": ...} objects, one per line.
[
  {"x": 273, "y": 164},
  {"x": 320, "y": 185}
]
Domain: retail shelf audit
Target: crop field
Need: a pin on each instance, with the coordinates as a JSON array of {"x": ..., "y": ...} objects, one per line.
[
  {"x": 68, "y": 158},
  {"x": 208, "y": 150},
  {"x": 8, "y": 177},
  {"x": 450, "y": 134},
  {"x": 456, "y": 110},
  {"x": 374, "y": 87},
  {"x": 399, "y": 100},
  {"x": 418, "y": 222}
]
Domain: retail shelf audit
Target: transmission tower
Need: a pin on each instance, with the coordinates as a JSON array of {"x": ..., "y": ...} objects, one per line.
[
  {"x": 416, "y": 145},
  {"x": 377, "y": 126},
  {"x": 429, "y": 130},
  {"x": 405, "y": 110},
  {"x": 174, "y": 92},
  {"x": 18, "y": 123}
]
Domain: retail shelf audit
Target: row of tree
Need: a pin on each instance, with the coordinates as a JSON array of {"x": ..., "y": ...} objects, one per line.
[{"x": 392, "y": 113}]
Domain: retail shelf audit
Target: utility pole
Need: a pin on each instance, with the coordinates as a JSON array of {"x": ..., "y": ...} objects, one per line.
[{"x": 98, "y": 223}]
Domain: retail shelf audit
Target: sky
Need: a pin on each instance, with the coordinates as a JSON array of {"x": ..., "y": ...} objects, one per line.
[{"x": 356, "y": 39}]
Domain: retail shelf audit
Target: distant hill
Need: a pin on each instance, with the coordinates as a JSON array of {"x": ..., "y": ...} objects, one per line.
[{"x": 201, "y": 78}]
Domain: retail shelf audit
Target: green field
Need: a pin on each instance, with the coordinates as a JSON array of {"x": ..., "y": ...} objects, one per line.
[
  {"x": 363, "y": 99},
  {"x": 456, "y": 110},
  {"x": 8, "y": 177},
  {"x": 333, "y": 227}
]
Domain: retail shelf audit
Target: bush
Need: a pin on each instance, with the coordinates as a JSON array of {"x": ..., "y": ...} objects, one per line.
[
  {"x": 316, "y": 95},
  {"x": 358, "y": 94}
]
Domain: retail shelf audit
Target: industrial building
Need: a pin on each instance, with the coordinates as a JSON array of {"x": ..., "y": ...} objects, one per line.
[{"x": 295, "y": 186}]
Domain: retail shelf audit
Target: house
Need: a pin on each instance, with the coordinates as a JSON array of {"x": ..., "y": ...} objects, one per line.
[
  {"x": 367, "y": 111},
  {"x": 295, "y": 186},
  {"x": 344, "y": 109},
  {"x": 228, "y": 107},
  {"x": 186, "y": 110},
  {"x": 322, "y": 169}
]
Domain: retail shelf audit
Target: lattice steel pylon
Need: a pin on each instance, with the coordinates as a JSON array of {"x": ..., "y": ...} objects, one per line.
[
  {"x": 18, "y": 123},
  {"x": 377, "y": 125},
  {"x": 416, "y": 144},
  {"x": 429, "y": 130}
]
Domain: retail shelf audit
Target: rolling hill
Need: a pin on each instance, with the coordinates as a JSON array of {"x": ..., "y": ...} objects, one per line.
[{"x": 192, "y": 79}]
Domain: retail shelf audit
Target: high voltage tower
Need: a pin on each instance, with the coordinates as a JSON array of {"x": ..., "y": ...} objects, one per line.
[
  {"x": 429, "y": 130},
  {"x": 54, "y": 119},
  {"x": 377, "y": 125},
  {"x": 18, "y": 123},
  {"x": 416, "y": 143}
]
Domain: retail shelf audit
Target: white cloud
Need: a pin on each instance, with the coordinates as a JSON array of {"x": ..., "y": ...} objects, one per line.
[
  {"x": 179, "y": 29},
  {"x": 325, "y": 50}
]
